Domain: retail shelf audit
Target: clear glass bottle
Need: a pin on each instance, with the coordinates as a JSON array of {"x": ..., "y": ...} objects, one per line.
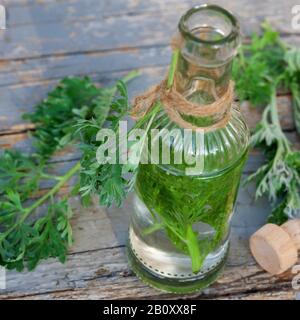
[{"x": 180, "y": 224}]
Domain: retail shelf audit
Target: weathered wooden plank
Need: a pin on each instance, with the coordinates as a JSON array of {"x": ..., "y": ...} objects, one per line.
[
  {"x": 36, "y": 12},
  {"x": 118, "y": 6},
  {"x": 93, "y": 294},
  {"x": 17, "y": 99},
  {"x": 15, "y": 126},
  {"x": 95, "y": 229},
  {"x": 263, "y": 295},
  {"x": 144, "y": 29},
  {"x": 9, "y": 141},
  {"x": 22, "y": 142},
  {"x": 104, "y": 274},
  {"x": 102, "y": 63},
  {"x": 41, "y": 70},
  {"x": 26, "y": 71},
  {"x": 24, "y": 3}
]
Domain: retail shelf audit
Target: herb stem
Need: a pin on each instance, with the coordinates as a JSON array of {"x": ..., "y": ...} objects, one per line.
[
  {"x": 131, "y": 75},
  {"x": 172, "y": 69},
  {"x": 282, "y": 141},
  {"x": 51, "y": 192},
  {"x": 274, "y": 111},
  {"x": 40, "y": 201},
  {"x": 194, "y": 249},
  {"x": 50, "y": 177}
]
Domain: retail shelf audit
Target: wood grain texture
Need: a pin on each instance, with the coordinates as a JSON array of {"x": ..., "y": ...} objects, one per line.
[
  {"x": 93, "y": 31},
  {"x": 28, "y": 69},
  {"x": 49, "y": 39},
  {"x": 11, "y": 121},
  {"x": 126, "y": 286},
  {"x": 22, "y": 98},
  {"x": 97, "y": 266},
  {"x": 44, "y": 11}
]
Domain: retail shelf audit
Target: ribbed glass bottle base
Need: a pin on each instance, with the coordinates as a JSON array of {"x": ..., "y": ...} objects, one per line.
[{"x": 143, "y": 261}]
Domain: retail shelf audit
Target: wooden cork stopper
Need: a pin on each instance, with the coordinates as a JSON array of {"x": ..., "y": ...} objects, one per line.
[
  {"x": 275, "y": 247},
  {"x": 292, "y": 227}
]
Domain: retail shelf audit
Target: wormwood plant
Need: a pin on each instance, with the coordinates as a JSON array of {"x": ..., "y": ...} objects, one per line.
[
  {"x": 72, "y": 114},
  {"x": 262, "y": 68},
  {"x": 26, "y": 236}
]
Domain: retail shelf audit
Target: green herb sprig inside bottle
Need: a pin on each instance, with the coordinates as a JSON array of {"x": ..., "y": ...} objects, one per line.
[{"x": 180, "y": 224}]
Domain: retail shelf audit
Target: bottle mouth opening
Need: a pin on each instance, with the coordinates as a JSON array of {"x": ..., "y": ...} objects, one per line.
[{"x": 209, "y": 24}]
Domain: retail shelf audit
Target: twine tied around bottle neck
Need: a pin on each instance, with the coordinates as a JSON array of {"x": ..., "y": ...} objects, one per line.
[{"x": 177, "y": 106}]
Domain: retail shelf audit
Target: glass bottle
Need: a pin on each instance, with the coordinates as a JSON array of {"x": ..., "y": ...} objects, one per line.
[{"x": 180, "y": 224}]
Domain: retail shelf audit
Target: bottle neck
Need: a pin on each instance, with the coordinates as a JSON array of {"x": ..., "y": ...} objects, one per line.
[
  {"x": 202, "y": 84},
  {"x": 209, "y": 42}
]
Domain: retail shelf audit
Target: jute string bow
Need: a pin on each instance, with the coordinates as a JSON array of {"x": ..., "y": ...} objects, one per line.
[{"x": 176, "y": 105}]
